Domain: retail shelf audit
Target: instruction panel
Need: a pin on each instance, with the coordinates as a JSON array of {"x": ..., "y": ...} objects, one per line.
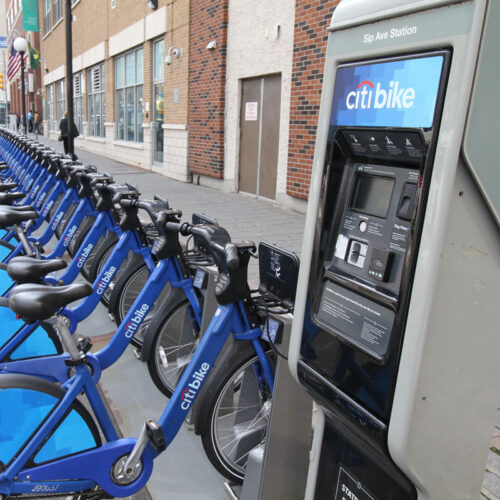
[{"x": 363, "y": 321}]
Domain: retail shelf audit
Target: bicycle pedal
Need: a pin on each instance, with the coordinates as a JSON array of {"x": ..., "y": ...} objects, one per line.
[{"x": 155, "y": 435}]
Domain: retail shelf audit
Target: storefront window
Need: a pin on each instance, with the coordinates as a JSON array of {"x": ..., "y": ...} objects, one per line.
[
  {"x": 60, "y": 101},
  {"x": 95, "y": 84},
  {"x": 50, "y": 106},
  {"x": 158, "y": 100},
  {"x": 129, "y": 77}
]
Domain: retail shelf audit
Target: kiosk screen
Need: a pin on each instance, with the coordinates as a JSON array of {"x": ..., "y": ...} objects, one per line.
[{"x": 372, "y": 195}]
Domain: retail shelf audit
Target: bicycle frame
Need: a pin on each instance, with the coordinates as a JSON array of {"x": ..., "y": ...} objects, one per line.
[{"x": 94, "y": 465}]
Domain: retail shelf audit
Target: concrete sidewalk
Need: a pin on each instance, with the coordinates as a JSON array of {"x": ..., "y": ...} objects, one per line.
[{"x": 183, "y": 471}]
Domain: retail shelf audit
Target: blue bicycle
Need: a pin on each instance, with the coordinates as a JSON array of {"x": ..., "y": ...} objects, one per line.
[{"x": 51, "y": 444}]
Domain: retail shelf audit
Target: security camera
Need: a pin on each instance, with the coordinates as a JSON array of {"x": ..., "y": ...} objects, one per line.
[
  {"x": 168, "y": 60},
  {"x": 211, "y": 45}
]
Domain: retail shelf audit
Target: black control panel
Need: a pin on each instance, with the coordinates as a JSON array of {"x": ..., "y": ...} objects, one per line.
[{"x": 368, "y": 253}]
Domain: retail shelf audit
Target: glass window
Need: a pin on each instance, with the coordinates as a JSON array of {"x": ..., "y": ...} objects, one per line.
[
  {"x": 57, "y": 10},
  {"x": 95, "y": 85},
  {"x": 158, "y": 51},
  {"x": 50, "y": 106},
  {"x": 158, "y": 100},
  {"x": 129, "y": 77},
  {"x": 139, "y": 65},
  {"x": 60, "y": 100},
  {"x": 47, "y": 18},
  {"x": 78, "y": 101}
]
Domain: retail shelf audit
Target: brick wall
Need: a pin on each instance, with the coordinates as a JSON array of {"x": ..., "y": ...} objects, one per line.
[
  {"x": 312, "y": 18},
  {"x": 207, "y": 80}
]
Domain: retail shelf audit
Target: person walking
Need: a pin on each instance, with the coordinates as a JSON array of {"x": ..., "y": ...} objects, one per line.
[
  {"x": 64, "y": 128},
  {"x": 30, "y": 121},
  {"x": 36, "y": 125}
]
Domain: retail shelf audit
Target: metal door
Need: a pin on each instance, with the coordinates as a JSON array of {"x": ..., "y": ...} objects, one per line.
[{"x": 259, "y": 128}]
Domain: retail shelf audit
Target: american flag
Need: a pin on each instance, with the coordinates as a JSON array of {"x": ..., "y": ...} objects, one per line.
[{"x": 14, "y": 62}]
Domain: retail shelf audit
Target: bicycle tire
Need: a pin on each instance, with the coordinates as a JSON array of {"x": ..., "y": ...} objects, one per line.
[
  {"x": 237, "y": 415},
  {"x": 175, "y": 341},
  {"x": 125, "y": 292}
]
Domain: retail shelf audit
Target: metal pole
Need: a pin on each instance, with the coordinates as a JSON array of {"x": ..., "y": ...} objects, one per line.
[
  {"x": 69, "y": 78},
  {"x": 23, "y": 104}
]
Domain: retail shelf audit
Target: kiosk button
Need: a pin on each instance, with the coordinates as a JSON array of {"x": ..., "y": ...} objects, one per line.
[{"x": 406, "y": 201}]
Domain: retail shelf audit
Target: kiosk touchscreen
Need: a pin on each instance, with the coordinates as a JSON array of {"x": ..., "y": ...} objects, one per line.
[{"x": 385, "y": 337}]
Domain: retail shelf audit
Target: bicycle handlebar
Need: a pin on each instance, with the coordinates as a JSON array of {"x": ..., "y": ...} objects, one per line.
[{"x": 224, "y": 250}]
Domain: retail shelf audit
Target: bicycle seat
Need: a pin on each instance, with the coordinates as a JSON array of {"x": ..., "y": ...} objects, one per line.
[
  {"x": 8, "y": 198},
  {"x": 7, "y": 186},
  {"x": 25, "y": 269},
  {"x": 18, "y": 208},
  {"x": 10, "y": 217},
  {"x": 39, "y": 302}
]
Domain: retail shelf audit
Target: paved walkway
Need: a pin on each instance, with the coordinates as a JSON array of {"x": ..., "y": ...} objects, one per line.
[{"x": 183, "y": 471}]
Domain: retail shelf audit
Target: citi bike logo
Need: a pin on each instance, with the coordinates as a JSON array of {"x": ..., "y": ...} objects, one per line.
[
  {"x": 70, "y": 234},
  {"x": 83, "y": 257},
  {"x": 369, "y": 96},
  {"x": 191, "y": 391},
  {"x": 132, "y": 326},
  {"x": 103, "y": 283},
  {"x": 41, "y": 198},
  {"x": 47, "y": 208},
  {"x": 58, "y": 218}
]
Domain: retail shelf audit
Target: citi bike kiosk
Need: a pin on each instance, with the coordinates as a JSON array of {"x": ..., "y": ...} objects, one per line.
[{"x": 395, "y": 331}]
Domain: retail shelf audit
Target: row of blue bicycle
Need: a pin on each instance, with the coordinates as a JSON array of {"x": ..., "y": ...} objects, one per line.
[{"x": 209, "y": 343}]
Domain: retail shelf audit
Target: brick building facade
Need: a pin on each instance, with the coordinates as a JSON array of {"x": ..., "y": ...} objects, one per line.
[
  {"x": 193, "y": 110},
  {"x": 129, "y": 104},
  {"x": 312, "y": 18},
  {"x": 207, "y": 82}
]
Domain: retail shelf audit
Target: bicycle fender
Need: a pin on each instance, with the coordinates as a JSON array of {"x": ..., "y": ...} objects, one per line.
[
  {"x": 174, "y": 298},
  {"x": 233, "y": 354}
]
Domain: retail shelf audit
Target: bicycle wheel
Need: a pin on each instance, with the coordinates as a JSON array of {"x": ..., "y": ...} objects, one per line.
[
  {"x": 173, "y": 347},
  {"x": 237, "y": 417},
  {"x": 128, "y": 290}
]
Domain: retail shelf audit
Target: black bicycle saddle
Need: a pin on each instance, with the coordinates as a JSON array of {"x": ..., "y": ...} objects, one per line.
[
  {"x": 10, "y": 217},
  {"x": 39, "y": 302},
  {"x": 7, "y": 186},
  {"x": 8, "y": 198},
  {"x": 25, "y": 269}
]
